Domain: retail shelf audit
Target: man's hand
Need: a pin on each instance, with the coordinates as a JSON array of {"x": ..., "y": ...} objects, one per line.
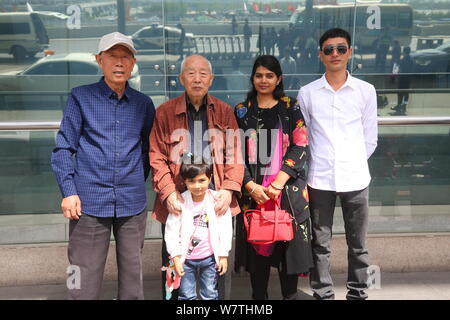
[
  {"x": 71, "y": 207},
  {"x": 223, "y": 198},
  {"x": 178, "y": 266},
  {"x": 173, "y": 202},
  {"x": 223, "y": 265}
]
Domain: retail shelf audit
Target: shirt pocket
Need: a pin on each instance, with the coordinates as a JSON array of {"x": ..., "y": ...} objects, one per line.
[
  {"x": 217, "y": 138},
  {"x": 176, "y": 146},
  {"x": 351, "y": 115},
  {"x": 131, "y": 120},
  {"x": 321, "y": 112}
]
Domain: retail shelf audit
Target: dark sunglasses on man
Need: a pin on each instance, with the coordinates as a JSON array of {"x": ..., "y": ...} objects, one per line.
[{"x": 341, "y": 49}]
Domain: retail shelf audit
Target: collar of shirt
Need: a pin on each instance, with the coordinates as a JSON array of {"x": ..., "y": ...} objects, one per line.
[
  {"x": 107, "y": 91},
  {"x": 183, "y": 107},
  {"x": 192, "y": 112},
  {"x": 350, "y": 82}
]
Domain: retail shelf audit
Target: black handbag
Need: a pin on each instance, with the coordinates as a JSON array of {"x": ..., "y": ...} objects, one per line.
[{"x": 293, "y": 199}]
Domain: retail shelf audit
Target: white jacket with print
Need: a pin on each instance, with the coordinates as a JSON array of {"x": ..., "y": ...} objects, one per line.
[{"x": 180, "y": 228}]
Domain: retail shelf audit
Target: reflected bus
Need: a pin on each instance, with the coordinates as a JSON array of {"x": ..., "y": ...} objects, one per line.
[{"x": 371, "y": 20}]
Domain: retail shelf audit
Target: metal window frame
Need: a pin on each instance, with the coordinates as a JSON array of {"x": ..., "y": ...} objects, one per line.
[{"x": 382, "y": 121}]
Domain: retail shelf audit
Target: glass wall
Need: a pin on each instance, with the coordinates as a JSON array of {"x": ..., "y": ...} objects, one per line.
[{"x": 401, "y": 47}]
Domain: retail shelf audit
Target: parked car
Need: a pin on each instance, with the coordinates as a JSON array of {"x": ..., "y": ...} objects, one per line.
[
  {"x": 433, "y": 60},
  {"x": 46, "y": 83},
  {"x": 60, "y": 73},
  {"x": 153, "y": 37}
]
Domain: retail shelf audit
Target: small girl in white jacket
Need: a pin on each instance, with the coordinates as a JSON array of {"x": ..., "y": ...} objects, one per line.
[{"x": 198, "y": 240}]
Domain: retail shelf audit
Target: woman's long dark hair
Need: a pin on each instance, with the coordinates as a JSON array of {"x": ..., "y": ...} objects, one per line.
[{"x": 272, "y": 64}]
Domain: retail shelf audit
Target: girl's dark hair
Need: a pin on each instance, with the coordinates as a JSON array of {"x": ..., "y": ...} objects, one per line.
[
  {"x": 271, "y": 63},
  {"x": 194, "y": 166},
  {"x": 335, "y": 33}
]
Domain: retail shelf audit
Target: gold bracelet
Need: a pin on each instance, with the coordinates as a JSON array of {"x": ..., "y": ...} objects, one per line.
[
  {"x": 276, "y": 188},
  {"x": 254, "y": 188}
]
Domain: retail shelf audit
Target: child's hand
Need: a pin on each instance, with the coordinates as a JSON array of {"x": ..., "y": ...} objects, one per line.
[
  {"x": 178, "y": 266},
  {"x": 223, "y": 265}
]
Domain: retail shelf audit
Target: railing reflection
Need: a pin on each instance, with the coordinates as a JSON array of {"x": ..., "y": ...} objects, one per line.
[{"x": 382, "y": 121}]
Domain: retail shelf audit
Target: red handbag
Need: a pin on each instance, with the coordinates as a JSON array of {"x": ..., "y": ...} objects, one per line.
[{"x": 267, "y": 226}]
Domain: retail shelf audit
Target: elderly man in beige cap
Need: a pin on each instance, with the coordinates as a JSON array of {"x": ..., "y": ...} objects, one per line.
[{"x": 106, "y": 125}]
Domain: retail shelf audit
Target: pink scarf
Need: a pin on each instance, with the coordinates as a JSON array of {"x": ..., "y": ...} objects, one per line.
[{"x": 270, "y": 175}]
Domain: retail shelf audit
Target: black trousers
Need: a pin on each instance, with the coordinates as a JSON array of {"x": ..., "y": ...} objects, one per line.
[
  {"x": 260, "y": 280},
  {"x": 404, "y": 82}
]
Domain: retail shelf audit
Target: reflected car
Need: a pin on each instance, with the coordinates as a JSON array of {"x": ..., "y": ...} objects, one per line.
[
  {"x": 60, "y": 73},
  {"x": 433, "y": 60},
  {"x": 152, "y": 37}
]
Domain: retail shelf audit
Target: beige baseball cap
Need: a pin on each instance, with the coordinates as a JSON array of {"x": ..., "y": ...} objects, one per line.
[{"x": 111, "y": 39}]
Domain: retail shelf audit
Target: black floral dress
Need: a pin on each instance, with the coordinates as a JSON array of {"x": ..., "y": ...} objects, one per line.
[{"x": 295, "y": 256}]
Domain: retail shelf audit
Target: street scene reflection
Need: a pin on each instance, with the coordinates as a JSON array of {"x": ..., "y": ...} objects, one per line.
[{"x": 47, "y": 47}]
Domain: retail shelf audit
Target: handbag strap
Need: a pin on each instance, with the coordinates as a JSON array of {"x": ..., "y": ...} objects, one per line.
[
  {"x": 277, "y": 207},
  {"x": 246, "y": 214},
  {"x": 292, "y": 208}
]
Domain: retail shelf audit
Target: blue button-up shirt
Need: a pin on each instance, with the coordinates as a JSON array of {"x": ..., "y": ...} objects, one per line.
[{"x": 109, "y": 138}]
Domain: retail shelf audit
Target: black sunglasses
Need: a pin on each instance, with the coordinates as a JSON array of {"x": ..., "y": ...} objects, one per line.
[{"x": 341, "y": 49}]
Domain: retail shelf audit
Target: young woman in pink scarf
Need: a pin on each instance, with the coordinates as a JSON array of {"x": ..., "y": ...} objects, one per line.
[{"x": 275, "y": 139}]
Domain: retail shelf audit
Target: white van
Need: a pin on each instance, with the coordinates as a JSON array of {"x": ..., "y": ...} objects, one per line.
[{"x": 22, "y": 34}]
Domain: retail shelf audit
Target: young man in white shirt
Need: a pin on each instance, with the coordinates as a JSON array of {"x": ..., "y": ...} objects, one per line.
[{"x": 341, "y": 114}]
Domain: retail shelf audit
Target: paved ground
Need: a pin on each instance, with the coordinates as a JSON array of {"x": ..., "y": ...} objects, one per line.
[{"x": 393, "y": 286}]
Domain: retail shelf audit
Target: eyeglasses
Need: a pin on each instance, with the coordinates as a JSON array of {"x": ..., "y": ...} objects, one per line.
[{"x": 329, "y": 49}]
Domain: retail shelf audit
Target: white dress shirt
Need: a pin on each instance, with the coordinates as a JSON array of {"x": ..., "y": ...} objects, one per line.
[{"x": 343, "y": 133}]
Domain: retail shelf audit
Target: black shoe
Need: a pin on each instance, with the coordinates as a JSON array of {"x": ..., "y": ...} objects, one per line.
[
  {"x": 316, "y": 296},
  {"x": 356, "y": 295}
]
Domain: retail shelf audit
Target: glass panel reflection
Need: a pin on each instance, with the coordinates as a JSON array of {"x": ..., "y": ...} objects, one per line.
[
  {"x": 403, "y": 48},
  {"x": 410, "y": 188},
  {"x": 30, "y": 199},
  {"x": 28, "y": 184},
  {"x": 410, "y": 54}
]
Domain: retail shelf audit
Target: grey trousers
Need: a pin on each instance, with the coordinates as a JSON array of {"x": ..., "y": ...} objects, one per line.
[
  {"x": 355, "y": 208},
  {"x": 89, "y": 239}
]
